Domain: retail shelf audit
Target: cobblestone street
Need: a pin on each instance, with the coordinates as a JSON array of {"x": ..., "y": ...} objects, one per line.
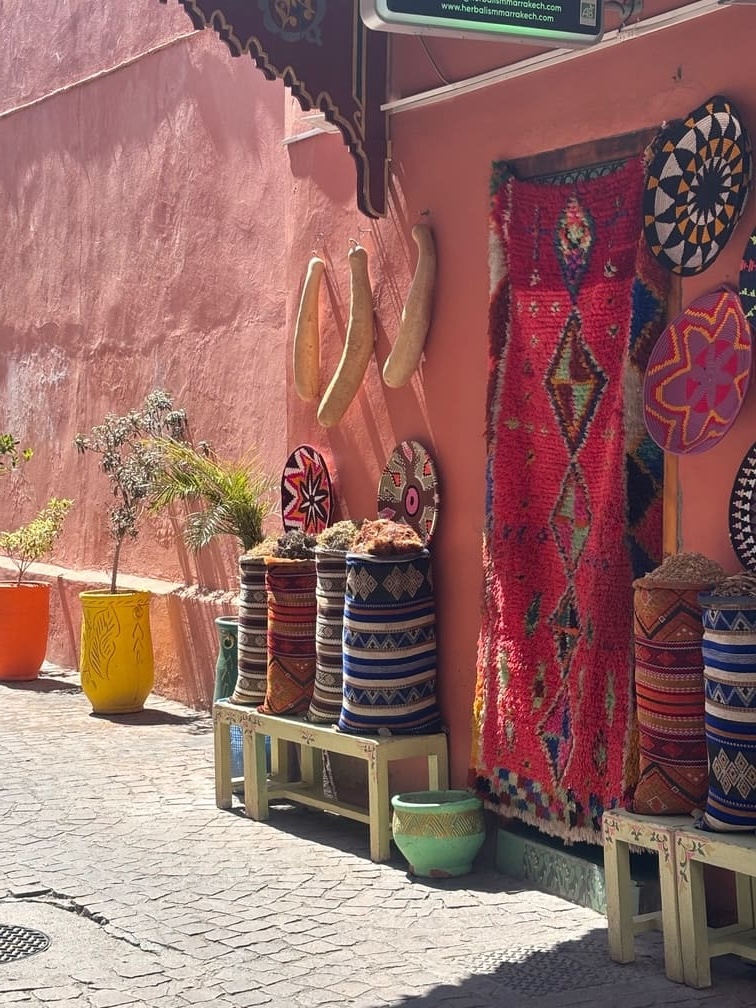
[{"x": 111, "y": 844}]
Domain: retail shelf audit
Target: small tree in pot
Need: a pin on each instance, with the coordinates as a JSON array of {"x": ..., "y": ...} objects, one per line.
[
  {"x": 25, "y": 603},
  {"x": 117, "y": 668},
  {"x": 33, "y": 542},
  {"x": 225, "y": 498},
  {"x": 132, "y": 461}
]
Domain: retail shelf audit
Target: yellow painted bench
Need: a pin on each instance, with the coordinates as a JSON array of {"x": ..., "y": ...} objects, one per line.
[
  {"x": 312, "y": 740},
  {"x": 622, "y": 830},
  {"x": 689, "y": 943},
  {"x": 700, "y": 943}
]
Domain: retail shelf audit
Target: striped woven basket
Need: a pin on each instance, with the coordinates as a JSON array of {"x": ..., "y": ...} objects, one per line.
[
  {"x": 669, "y": 688},
  {"x": 389, "y": 646},
  {"x": 729, "y": 653},
  {"x": 252, "y": 658},
  {"x": 290, "y": 588},
  {"x": 330, "y": 574}
]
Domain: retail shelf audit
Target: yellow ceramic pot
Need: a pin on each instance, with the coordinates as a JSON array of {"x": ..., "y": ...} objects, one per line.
[{"x": 116, "y": 665}]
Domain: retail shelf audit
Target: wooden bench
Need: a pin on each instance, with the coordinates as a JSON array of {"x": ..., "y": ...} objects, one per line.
[
  {"x": 700, "y": 943},
  {"x": 622, "y": 830},
  {"x": 312, "y": 740}
]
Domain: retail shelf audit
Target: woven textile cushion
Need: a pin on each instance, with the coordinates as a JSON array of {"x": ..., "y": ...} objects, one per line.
[
  {"x": 729, "y": 652},
  {"x": 389, "y": 646},
  {"x": 669, "y": 689},
  {"x": 290, "y": 586},
  {"x": 252, "y": 661},
  {"x": 330, "y": 572}
]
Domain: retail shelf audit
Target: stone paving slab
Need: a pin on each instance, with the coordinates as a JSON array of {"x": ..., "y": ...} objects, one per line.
[{"x": 110, "y": 843}]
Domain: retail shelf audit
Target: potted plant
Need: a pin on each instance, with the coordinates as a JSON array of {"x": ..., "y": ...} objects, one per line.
[
  {"x": 25, "y": 604},
  {"x": 233, "y": 498},
  {"x": 116, "y": 663},
  {"x": 229, "y": 498}
]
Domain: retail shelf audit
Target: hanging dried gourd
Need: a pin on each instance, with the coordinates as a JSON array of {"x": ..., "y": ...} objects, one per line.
[
  {"x": 416, "y": 315},
  {"x": 358, "y": 347},
  {"x": 307, "y": 334}
]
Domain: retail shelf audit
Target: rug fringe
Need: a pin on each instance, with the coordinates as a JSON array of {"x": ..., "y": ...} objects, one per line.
[{"x": 554, "y": 829}]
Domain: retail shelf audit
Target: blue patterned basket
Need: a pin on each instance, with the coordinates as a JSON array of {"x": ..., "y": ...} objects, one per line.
[
  {"x": 389, "y": 645},
  {"x": 729, "y": 653}
]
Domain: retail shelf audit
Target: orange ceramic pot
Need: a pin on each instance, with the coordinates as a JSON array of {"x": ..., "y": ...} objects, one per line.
[{"x": 24, "y": 623}]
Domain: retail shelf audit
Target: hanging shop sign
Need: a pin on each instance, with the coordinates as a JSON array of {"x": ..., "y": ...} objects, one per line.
[{"x": 567, "y": 23}]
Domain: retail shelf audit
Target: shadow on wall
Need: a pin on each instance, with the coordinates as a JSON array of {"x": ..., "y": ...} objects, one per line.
[
  {"x": 184, "y": 635},
  {"x": 193, "y": 644}
]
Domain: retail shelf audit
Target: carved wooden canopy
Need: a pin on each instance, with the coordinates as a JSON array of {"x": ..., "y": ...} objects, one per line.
[{"x": 329, "y": 59}]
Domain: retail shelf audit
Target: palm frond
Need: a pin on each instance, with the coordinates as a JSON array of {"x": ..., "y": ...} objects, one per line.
[{"x": 237, "y": 496}]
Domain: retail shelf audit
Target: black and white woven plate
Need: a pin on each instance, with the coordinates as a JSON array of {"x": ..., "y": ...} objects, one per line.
[
  {"x": 747, "y": 286},
  {"x": 742, "y": 512},
  {"x": 696, "y": 186}
]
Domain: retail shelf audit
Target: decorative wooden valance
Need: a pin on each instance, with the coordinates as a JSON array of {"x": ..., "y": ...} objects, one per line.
[{"x": 331, "y": 62}]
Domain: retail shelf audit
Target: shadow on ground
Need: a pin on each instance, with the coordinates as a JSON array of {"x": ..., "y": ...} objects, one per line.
[
  {"x": 149, "y": 717},
  {"x": 351, "y": 837},
  {"x": 44, "y": 685},
  {"x": 575, "y": 972}
]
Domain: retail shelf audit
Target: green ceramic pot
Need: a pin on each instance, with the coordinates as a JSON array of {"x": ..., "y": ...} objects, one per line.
[{"x": 438, "y": 832}]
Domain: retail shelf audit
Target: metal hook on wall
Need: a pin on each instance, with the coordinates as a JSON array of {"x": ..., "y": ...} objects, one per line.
[
  {"x": 626, "y": 8},
  {"x": 319, "y": 245}
]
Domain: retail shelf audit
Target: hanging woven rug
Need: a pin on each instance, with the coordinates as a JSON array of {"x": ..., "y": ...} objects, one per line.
[
  {"x": 306, "y": 492},
  {"x": 573, "y": 496},
  {"x": 698, "y": 374},
  {"x": 696, "y": 187},
  {"x": 742, "y": 511}
]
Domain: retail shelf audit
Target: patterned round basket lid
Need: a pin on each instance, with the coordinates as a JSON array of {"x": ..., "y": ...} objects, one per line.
[
  {"x": 696, "y": 186},
  {"x": 698, "y": 374},
  {"x": 408, "y": 489},
  {"x": 742, "y": 513},
  {"x": 748, "y": 280},
  {"x": 306, "y": 492}
]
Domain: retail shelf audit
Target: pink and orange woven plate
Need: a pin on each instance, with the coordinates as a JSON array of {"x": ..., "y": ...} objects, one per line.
[{"x": 698, "y": 374}]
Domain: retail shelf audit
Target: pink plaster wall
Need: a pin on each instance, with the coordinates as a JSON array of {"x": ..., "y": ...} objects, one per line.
[
  {"x": 143, "y": 231},
  {"x": 160, "y": 234}
]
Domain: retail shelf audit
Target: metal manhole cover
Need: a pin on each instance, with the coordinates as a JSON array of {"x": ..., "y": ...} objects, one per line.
[
  {"x": 539, "y": 970},
  {"x": 18, "y": 942}
]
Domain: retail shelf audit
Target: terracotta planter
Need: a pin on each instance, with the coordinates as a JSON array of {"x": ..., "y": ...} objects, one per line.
[
  {"x": 24, "y": 623},
  {"x": 116, "y": 664}
]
